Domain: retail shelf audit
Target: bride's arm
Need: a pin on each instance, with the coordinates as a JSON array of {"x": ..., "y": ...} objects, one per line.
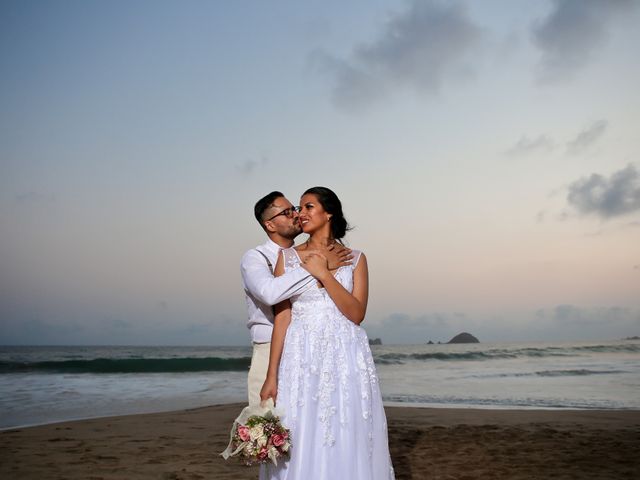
[
  {"x": 352, "y": 305},
  {"x": 280, "y": 325}
]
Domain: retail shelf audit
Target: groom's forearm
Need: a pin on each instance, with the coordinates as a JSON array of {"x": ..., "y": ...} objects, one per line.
[
  {"x": 272, "y": 290},
  {"x": 285, "y": 286}
]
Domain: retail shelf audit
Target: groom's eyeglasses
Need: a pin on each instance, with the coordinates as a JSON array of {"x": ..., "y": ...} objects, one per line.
[{"x": 287, "y": 212}]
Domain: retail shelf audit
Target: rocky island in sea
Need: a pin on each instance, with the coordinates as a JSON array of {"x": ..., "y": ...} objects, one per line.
[
  {"x": 464, "y": 337},
  {"x": 375, "y": 341}
]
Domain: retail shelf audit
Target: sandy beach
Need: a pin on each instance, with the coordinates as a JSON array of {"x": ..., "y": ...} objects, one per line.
[{"x": 429, "y": 443}]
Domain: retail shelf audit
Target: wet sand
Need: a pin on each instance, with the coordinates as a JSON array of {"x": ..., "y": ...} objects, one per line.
[{"x": 426, "y": 443}]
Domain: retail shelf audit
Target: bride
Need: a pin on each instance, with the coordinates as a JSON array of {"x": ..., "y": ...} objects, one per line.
[{"x": 321, "y": 371}]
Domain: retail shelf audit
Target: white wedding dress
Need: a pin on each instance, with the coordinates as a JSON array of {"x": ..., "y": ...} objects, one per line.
[{"x": 328, "y": 390}]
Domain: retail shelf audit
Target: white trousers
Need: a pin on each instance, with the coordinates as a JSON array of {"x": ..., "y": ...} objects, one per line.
[{"x": 258, "y": 371}]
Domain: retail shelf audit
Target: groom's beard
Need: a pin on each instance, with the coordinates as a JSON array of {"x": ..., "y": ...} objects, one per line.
[{"x": 294, "y": 231}]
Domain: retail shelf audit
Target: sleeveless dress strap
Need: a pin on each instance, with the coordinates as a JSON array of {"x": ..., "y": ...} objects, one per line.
[
  {"x": 291, "y": 258},
  {"x": 356, "y": 258}
]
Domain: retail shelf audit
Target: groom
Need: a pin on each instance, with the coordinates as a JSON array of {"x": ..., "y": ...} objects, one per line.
[{"x": 279, "y": 219}]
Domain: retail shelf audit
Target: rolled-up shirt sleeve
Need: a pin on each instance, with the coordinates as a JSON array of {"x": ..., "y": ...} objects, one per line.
[{"x": 270, "y": 290}]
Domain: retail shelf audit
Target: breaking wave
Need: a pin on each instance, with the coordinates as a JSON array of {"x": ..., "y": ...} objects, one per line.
[
  {"x": 130, "y": 365},
  {"x": 499, "y": 353}
]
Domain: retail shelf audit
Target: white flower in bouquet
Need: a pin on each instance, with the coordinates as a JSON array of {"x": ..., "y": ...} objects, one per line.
[
  {"x": 261, "y": 441},
  {"x": 256, "y": 432}
]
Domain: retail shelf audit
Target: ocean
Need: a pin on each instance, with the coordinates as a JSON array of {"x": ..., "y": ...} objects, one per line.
[{"x": 50, "y": 384}]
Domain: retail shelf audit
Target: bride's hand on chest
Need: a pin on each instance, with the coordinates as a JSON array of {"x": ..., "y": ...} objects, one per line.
[{"x": 316, "y": 264}]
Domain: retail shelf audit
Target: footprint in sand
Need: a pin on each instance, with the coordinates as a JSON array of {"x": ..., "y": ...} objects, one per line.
[
  {"x": 61, "y": 439},
  {"x": 170, "y": 476},
  {"x": 106, "y": 457}
]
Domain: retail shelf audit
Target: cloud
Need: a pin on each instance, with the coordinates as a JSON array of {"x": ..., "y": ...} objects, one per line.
[
  {"x": 571, "y": 34},
  {"x": 422, "y": 48},
  {"x": 571, "y": 315},
  {"x": 35, "y": 331},
  {"x": 222, "y": 330},
  {"x": 554, "y": 323},
  {"x": 597, "y": 233},
  {"x": 17, "y": 328},
  {"x": 545, "y": 144},
  {"x": 572, "y": 322},
  {"x": 404, "y": 328},
  {"x": 607, "y": 197},
  {"x": 249, "y": 166},
  {"x": 34, "y": 198},
  {"x": 587, "y": 137},
  {"x": 116, "y": 324},
  {"x": 526, "y": 146}
]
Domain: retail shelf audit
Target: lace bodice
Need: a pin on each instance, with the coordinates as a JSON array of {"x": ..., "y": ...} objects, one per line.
[{"x": 316, "y": 298}]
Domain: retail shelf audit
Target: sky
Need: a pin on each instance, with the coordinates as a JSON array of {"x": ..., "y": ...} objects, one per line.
[{"x": 486, "y": 153}]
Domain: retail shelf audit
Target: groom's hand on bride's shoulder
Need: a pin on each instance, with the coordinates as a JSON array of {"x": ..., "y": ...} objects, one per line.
[{"x": 339, "y": 256}]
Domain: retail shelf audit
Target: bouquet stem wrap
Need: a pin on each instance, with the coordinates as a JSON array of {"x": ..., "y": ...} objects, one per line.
[{"x": 266, "y": 440}]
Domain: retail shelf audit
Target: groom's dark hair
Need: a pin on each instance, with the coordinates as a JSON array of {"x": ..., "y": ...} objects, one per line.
[{"x": 263, "y": 204}]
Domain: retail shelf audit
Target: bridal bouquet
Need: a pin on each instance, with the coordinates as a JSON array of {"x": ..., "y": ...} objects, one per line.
[{"x": 257, "y": 436}]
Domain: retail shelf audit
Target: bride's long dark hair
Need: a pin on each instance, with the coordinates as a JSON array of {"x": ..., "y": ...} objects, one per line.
[{"x": 331, "y": 204}]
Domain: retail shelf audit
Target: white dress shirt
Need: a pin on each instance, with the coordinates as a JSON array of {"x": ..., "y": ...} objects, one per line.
[{"x": 263, "y": 290}]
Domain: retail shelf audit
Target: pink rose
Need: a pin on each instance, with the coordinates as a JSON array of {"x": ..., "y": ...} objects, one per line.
[
  {"x": 263, "y": 453},
  {"x": 243, "y": 433},
  {"x": 277, "y": 439}
]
